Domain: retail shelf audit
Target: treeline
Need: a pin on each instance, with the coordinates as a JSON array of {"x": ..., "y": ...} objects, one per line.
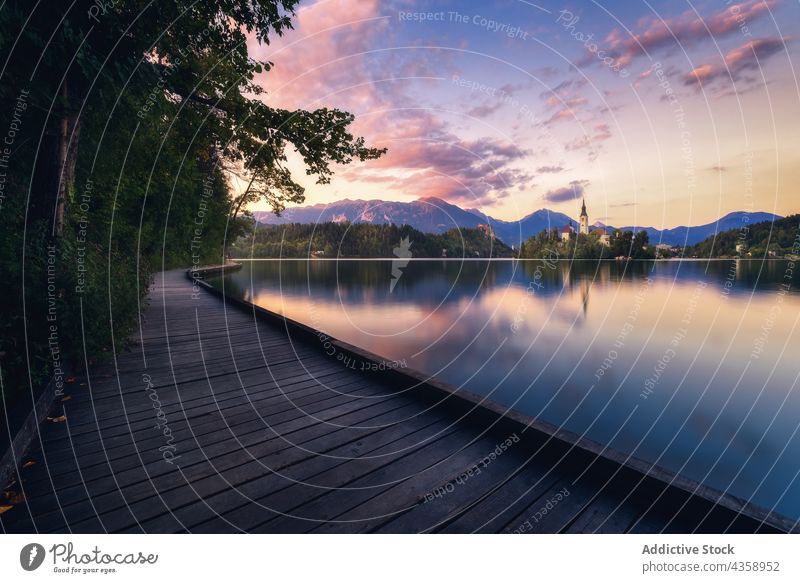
[
  {"x": 365, "y": 240},
  {"x": 121, "y": 128},
  {"x": 765, "y": 239},
  {"x": 622, "y": 244}
]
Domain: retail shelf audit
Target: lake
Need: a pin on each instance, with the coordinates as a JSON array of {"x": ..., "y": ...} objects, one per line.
[{"x": 691, "y": 365}]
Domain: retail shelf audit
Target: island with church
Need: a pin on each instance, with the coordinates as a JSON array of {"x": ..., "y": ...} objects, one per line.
[{"x": 588, "y": 242}]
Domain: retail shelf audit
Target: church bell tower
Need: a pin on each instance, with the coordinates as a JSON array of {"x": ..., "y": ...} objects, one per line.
[{"x": 584, "y": 228}]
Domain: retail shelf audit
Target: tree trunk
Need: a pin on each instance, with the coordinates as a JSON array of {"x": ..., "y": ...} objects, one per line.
[
  {"x": 72, "y": 152},
  {"x": 243, "y": 197},
  {"x": 238, "y": 206},
  {"x": 68, "y": 137}
]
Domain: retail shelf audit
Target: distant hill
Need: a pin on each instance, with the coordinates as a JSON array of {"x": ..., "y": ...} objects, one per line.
[
  {"x": 769, "y": 238},
  {"x": 434, "y": 215},
  {"x": 429, "y": 215},
  {"x": 681, "y": 236},
  {"x": 331, "y": 240}
]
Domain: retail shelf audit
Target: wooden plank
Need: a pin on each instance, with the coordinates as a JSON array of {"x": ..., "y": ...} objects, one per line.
[
  {"x": 389, "y": 490},
  {"x": 249, "y": 503},
  {"x": 139, "y": 405},
  {"x": 95, "y": 463},
  {"x": 200, "y": 402},
  {"x": 611, "y": 511},
  {"x": 490, "y": 514},
  {"x": 85, "y": 432},
  {"x": 243, "y": 379},
  {"x": 308, "y": 388},
  {"x": 271, "y": 437},
  {"x": 228, "y": 471},
  {"x": 195, "y": 464},
  {"x": 452, "y": 496},
  {"x": 540, "y": 472}
]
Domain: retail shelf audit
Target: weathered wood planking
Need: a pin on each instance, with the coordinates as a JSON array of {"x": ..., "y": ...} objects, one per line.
[{"x": 273, "y": 435}]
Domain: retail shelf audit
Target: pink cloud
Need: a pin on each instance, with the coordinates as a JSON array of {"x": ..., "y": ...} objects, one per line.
[
  {"x": 685, "y": 29},
  {"x": 747, "y": 56},
  {"x": 426, "y": 159},
  {"x": 565, "y": 98},
  {"x": 323, "y": 58},
  {"x": 555, "y": 100},
  {"x": 329, "y": 61},
  {"x": 700, "y": 74},
  {"x": 591, "y": 140},
  {"x": 561, "y": 115}
]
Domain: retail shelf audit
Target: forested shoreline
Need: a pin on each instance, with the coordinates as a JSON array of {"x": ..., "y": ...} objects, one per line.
[
  {"x": 362, "y": 240},
  {"x": 765, "y": 239},
  {"x": 122, "y": 129}
]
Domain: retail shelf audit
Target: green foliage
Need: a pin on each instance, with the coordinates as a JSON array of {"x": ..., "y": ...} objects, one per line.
[
  {"x": 542, "y": 245},
  {"x": 765, "y": 239},
  {"x": 137, "y": 111},
  {"x": 364, "y": 240},
  {"x": 548, "y": 244}
]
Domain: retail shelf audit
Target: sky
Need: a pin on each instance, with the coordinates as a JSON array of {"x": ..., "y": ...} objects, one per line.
[{"x": 657, "y": 113}]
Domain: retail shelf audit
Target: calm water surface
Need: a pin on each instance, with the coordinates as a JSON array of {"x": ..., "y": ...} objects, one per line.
[{"x": 691, "y": 365}]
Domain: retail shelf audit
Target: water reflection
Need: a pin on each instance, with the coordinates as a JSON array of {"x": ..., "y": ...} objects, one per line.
[{"x": 687, "y": 364}]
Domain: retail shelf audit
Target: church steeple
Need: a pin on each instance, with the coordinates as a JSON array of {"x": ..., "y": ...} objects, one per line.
[{"x": 584, "y": 228}]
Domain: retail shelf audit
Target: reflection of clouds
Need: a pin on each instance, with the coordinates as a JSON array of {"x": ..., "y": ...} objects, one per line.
[
  {"x": 556, "y": 311},
  {"x": 372, "y": 318},
  {"x": 477, "y": 298}
]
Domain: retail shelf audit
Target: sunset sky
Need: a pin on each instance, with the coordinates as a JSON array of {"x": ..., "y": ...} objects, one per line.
[{"x": 659, "y": 113}]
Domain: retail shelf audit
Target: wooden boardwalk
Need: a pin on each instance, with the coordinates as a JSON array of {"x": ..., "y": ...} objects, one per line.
[{"x": 218, "y": 421}]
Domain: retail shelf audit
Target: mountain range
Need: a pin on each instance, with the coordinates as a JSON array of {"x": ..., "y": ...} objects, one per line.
[{"x": 434, "y": 215}]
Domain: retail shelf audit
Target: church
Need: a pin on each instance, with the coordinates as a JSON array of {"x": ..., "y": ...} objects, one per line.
[{"x": 583, "y": 227}]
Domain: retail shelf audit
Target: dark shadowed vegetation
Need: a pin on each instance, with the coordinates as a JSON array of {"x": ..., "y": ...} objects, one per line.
[{"x": 123, "y": 125}]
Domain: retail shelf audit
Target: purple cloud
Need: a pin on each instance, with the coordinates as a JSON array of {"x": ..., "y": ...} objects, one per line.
[
  {"x": 743, "y": 58},
  {"x": 688, "y": 28},
  {"x": 549, "y": 169},
  {"x": 575, "y": 189}
]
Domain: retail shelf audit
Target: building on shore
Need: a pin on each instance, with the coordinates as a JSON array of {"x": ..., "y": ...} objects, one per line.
[
  {"x": 487, "y": 230},
  {"x": 602, "y": 233}
]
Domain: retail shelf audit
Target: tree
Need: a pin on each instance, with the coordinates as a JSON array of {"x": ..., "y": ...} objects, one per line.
[
  {"x": 192, "y": 52},
  {"x": 641, "y": 246},
  {"x": 127, "y": 116},
  {"x": 621, "y": 243}
]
